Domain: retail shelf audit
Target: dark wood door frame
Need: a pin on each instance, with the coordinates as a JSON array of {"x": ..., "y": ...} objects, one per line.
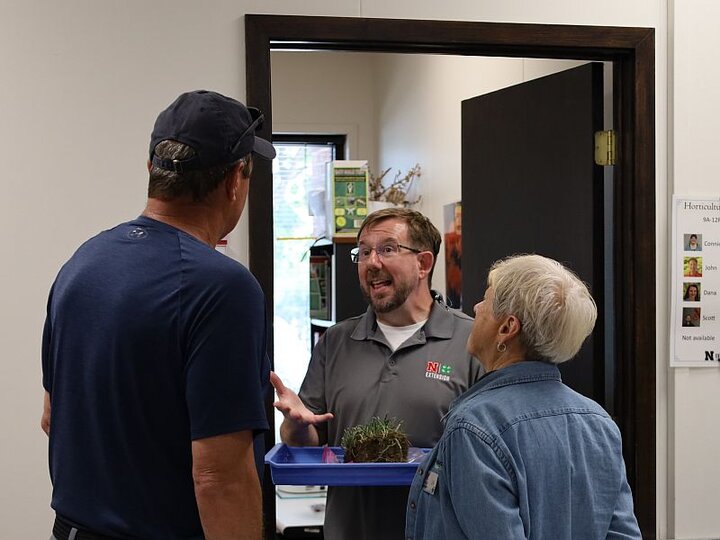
[{"x": 632, "y": 51}]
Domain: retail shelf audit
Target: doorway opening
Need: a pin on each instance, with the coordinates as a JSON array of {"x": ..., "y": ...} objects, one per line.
[
  {"x": 298, "y": 221},
  {"x": 631, "y": 51}
]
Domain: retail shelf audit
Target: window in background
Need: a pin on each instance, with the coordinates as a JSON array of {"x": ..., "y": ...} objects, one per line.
[{"x": 298, "y": 220}]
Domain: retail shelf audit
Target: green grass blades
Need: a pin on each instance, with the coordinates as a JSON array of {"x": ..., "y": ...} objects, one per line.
[{"x": 378, "y": 441}]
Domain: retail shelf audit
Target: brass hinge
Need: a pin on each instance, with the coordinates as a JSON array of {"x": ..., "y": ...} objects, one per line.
[{"x": 605, "y": 148}]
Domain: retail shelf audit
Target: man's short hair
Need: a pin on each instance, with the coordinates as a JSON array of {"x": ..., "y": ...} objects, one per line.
[
  {"x": 555, "y": 308},
  {"x": 198, "y": 139},
  {"x": 422, "y": 234},
  {"x": 169, "y": 185}
]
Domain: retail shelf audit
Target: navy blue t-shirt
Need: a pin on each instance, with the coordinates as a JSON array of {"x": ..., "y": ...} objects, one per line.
[{"x": 152, "y": 339}]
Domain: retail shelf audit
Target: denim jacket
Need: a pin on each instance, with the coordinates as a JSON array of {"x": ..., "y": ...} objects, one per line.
[{"x": 523, "y": 456}]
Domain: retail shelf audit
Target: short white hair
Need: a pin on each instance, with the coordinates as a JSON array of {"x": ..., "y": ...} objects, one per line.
[{"x": 555, "y": 308}]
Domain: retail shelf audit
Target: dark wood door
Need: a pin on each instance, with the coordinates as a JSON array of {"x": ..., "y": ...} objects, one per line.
[{"x": 530, "y": 185}]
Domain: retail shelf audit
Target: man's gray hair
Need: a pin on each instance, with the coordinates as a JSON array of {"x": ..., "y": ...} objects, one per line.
[
  {"x": 197, "y": 184},
  {"x": 555, "y": 308}
]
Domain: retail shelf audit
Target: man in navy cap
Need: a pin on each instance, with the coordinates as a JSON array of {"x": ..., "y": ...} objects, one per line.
[{"x": 153, "y": 356}]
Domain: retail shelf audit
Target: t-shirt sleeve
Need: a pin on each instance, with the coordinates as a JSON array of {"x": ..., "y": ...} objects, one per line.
[
  {"x": 47, "y": 363},
  {"x": 227, "y": 369}
]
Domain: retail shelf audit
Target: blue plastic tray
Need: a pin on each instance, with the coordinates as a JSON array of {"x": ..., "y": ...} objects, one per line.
[{"x": 301, "y": 466}]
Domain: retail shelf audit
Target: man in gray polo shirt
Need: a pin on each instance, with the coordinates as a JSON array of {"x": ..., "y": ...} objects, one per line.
[{"x": 405, "y": 358}]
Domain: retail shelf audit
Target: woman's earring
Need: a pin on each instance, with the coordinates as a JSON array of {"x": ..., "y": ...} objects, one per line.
[{"x": 501, "y": 347}]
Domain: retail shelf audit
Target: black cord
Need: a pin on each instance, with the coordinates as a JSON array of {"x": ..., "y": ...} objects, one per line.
[
  {"x": 439, "y": 298},
  {"x": 311, "y": 246}
]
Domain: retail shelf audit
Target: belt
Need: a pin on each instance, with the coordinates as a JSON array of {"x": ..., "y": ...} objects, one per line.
[{"x": 64, "y": 530}]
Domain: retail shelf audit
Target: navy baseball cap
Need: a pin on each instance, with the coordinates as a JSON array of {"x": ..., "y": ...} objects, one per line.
[{"x": 220, "y": 129}]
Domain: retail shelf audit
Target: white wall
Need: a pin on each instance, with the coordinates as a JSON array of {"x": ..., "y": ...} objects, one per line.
[
  {"x": 694, "y": 394},
  {"x": 326, "y": 92},
  {"x": 82, "y": 81}
]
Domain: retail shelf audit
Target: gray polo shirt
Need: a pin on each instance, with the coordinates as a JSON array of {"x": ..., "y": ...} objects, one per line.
[{"x": 355, "y": 375}]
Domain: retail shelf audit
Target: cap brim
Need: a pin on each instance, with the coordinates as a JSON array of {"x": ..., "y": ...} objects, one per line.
[{"x": 263, "y": 148}]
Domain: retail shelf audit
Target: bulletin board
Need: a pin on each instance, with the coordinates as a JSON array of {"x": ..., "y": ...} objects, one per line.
[{"x": 695, "y": 275}]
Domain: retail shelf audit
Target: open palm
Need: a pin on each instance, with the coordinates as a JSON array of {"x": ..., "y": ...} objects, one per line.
[{"x": 292, "y": 406}]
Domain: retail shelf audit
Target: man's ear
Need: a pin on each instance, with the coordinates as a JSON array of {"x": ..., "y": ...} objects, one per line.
[
  {"x": 232, "y": 181},
  {"x": 149, "y": 165},
  {"x": 245, "y": 169},
  {"x": 426, "y": 260}
]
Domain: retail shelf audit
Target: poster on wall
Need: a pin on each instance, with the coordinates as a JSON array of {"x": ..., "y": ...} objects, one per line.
[
  {"x": 452, "y": 217},
  {"x": 695, "y": 274},
  {"x": 347, "y": 189}
]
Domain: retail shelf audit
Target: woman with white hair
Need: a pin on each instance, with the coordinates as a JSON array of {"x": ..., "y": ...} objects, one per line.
[{"x": 522, "y": 455}]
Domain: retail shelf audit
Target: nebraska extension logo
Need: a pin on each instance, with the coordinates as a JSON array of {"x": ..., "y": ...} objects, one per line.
[{"x": 436, "y": 370}]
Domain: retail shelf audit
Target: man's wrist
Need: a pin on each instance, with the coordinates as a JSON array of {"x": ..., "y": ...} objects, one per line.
[{"x": 297, "y": 433}]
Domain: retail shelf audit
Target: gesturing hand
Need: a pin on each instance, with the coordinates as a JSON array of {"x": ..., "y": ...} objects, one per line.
[{"x": 292, "y": 407}]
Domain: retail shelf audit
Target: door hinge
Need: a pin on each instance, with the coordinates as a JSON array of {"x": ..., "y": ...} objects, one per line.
[{"x": 605, "y": 148}]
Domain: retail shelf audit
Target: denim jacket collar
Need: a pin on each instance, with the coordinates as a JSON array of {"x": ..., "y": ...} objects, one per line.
[{"x": 521, "y": 372}]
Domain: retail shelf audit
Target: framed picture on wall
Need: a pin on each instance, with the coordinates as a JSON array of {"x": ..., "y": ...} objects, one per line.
[{"x": 452, "y": 214}]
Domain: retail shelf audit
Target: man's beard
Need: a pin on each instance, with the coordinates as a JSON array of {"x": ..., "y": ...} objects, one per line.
[{"x": 387, "y": 304}]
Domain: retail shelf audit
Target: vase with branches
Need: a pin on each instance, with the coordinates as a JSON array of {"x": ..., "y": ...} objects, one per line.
[{"x": 397, "y": 191}]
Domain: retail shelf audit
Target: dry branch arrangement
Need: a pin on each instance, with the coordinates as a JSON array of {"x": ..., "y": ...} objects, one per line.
[{"x": 398, "y": 190}]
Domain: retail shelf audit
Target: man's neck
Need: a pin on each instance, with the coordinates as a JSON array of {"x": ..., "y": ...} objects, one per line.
[
  {"x": 416, "y": 308},
  {"x": 196, "y": 219}
]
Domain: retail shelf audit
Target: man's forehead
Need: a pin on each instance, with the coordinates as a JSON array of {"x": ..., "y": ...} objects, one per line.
[{"x": 387, "y": 229}]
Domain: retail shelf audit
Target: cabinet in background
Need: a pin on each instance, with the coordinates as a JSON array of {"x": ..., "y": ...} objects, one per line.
[{"x": 341, "y": 298}]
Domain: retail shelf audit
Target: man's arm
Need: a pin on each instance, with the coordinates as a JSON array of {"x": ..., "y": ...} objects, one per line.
[
  {"x": 298, "y": 428},
  {"x": 227, "y": 487},
  {"x": 296, "y": 434},
  {"x": 45, "y": 420}
]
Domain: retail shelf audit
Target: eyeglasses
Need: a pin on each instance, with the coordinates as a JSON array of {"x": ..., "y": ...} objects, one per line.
[
  {"x": 257, "y": 121},
  {"x": 361, "y": 254}
]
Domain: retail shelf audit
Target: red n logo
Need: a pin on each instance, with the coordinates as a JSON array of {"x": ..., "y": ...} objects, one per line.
[{"x": 433, "y": 367}]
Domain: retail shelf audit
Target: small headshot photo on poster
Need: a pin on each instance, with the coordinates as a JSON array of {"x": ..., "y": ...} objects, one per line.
[
  {"x": 691, "y": 317},
  {"x": 692, "y": 241},
  {"x": 691, "y": 292},
  {"x": 692, "y": 266}
]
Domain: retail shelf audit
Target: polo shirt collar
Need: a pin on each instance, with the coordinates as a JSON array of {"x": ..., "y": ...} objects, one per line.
[{"x": 439, "y": 325}]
